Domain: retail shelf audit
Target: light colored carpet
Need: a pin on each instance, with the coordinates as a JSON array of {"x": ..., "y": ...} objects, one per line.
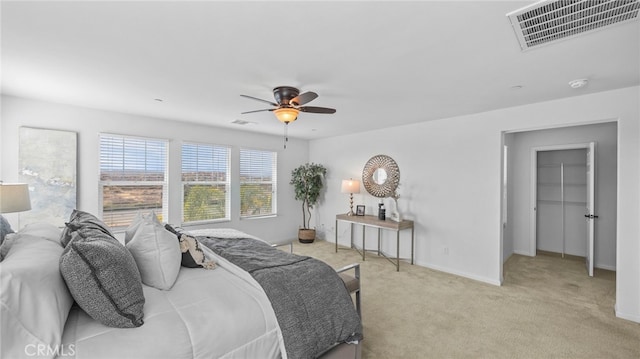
[{"x": 547, "y": 308}]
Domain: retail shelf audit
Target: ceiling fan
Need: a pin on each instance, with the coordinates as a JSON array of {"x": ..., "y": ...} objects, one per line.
[{"x": 289, "y": 103}]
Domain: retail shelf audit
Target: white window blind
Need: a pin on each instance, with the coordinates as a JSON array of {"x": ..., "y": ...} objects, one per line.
[
  {"x": 205, "y": 182},
  {"x": 258, "y": 183},
  {"x": 133, "y": 178}
]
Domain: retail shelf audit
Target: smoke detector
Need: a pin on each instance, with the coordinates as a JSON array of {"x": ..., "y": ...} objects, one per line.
[
  {"x": 576, "y": 84},
  {"x": 243, "y": 122},
  {"x": 548, "y": 21}
]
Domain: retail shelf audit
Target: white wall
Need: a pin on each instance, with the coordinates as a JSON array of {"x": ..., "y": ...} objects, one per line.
[
  {"x": 88, "y": 123},
  {"x": 450, "y": 175},
  {"x": 451, "y": 182},
  {"x": 605, "y": 135}
]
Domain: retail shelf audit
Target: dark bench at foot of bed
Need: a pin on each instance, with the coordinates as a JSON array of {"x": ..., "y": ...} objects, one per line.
[
  {"x": 344, "y": 351},
  {"x": 283, "y": 242},
  {"x": 352, "y": 282}
]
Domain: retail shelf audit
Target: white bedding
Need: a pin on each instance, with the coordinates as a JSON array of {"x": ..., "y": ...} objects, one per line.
[{"x": 220, "y": 313}]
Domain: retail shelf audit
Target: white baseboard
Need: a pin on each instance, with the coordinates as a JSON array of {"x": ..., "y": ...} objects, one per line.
[
  {"x": 631, "y": 317},
  {"x": 522, "y": 253},
  {"x": 601, "y": 266},
  {"x": 461, "y": 274},
  {"x": 607, "y": 267}
]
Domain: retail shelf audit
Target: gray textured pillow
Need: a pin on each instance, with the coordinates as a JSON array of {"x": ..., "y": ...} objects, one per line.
[
  {"x": 103, "y": 278},
  {"x": 80, "y": 219}
]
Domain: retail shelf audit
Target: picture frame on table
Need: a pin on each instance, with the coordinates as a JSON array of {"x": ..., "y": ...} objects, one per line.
[{"x": 360, "y": 210}]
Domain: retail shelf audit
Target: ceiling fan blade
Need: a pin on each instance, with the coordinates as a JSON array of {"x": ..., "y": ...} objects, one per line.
[
  {"x": 259, "y": 99},
  {"x": 266, "y": 109},
  {"x": 313, "y": 109},
  {"x": 303, "y": 98}
]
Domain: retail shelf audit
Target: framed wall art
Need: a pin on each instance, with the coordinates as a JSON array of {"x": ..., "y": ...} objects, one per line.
[{"x": 47, "y": 162}]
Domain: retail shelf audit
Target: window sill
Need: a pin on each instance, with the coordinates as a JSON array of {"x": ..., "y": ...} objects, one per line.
[
  {"x": 258, "y": 217},
  {"x": 203, "y": 223}
]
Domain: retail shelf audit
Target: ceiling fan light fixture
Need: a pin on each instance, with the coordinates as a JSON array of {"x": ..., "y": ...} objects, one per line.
[{"x": 286, "y": 114}]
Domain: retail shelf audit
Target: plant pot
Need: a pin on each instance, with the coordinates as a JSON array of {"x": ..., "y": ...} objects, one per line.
[{"x": 306, "y": 235}]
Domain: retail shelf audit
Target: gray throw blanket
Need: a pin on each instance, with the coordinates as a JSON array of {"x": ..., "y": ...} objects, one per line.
[{"x": 312, "y": 305}]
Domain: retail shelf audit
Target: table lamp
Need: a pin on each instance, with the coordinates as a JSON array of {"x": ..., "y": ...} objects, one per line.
[
  {"x": 350, "y": 186},
  {"x": 14, "y": 197}
]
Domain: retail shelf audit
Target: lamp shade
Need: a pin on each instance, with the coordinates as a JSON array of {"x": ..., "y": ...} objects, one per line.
[
  {"x": 286, "y": 114},
  {"x": 350, "y": 186},
  {"x": 14, "y": 197}
]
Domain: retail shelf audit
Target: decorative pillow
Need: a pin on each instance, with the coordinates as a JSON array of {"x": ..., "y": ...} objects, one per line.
[
  {"x": 80, "y": 219},
  {"x": 34, "y": 300},
  {"x": 192, "y": 254},
  {"x": 156, "y": 252},
  {"x": 103, "y": 278},
  {"x": 5, "y": 228}
]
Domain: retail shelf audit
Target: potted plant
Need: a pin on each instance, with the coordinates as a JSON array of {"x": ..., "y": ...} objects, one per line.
[{"x": 307, "y": 182}]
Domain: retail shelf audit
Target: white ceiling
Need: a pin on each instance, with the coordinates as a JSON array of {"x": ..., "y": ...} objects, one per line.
[{"x": 379, "y": 64}]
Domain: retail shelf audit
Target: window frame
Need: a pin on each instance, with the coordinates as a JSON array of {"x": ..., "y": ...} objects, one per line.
[
  {"x": 104, "y": 183},
  {"x": 226, "y": 183},
  {"x": 273, "y": 182}
]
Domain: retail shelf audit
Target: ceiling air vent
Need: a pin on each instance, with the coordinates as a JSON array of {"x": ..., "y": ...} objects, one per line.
[{"x": 548, "y": 21}]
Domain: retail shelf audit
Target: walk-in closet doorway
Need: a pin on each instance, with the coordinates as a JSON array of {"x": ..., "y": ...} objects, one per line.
[{"x": 521, "y": 194}]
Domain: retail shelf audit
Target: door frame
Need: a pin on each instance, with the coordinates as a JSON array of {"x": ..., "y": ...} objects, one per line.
[{"x": 533, "y": 183}]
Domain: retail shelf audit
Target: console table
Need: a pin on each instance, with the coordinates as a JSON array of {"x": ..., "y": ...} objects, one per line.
[{"x": 374, "y": 222}]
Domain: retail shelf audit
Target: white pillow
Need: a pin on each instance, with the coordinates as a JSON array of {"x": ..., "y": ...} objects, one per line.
[
  {"x": 43, "y": 230},
  {"x": 39, "y": 229},
  {"x": 133, "y": 227},
  {"x": 6, "y": 245},
  {"x": 156, "y": 252},
  {"x": 34, "y": 299}
]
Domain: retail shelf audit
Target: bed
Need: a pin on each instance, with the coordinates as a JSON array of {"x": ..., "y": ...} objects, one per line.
[{"x": 219, "y": 307}]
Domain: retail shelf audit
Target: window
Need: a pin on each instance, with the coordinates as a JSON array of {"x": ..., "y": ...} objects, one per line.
[
  {"x": 133, "y": 178},
  {"x": 205, "y": 182},
  {"x": 258, "y": 183}
]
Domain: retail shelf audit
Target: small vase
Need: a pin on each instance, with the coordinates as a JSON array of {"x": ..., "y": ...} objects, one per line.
[{"x": 395, "y": 213}]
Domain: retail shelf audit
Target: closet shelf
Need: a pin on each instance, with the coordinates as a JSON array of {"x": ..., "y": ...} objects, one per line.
[
  {"x": 557, "y": 184},
  {"x": 556, "y": 165},
  {"x": 557, "y": 202}
]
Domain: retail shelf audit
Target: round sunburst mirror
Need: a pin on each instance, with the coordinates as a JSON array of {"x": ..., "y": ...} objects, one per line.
[{"x": 381, "y": 176}]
